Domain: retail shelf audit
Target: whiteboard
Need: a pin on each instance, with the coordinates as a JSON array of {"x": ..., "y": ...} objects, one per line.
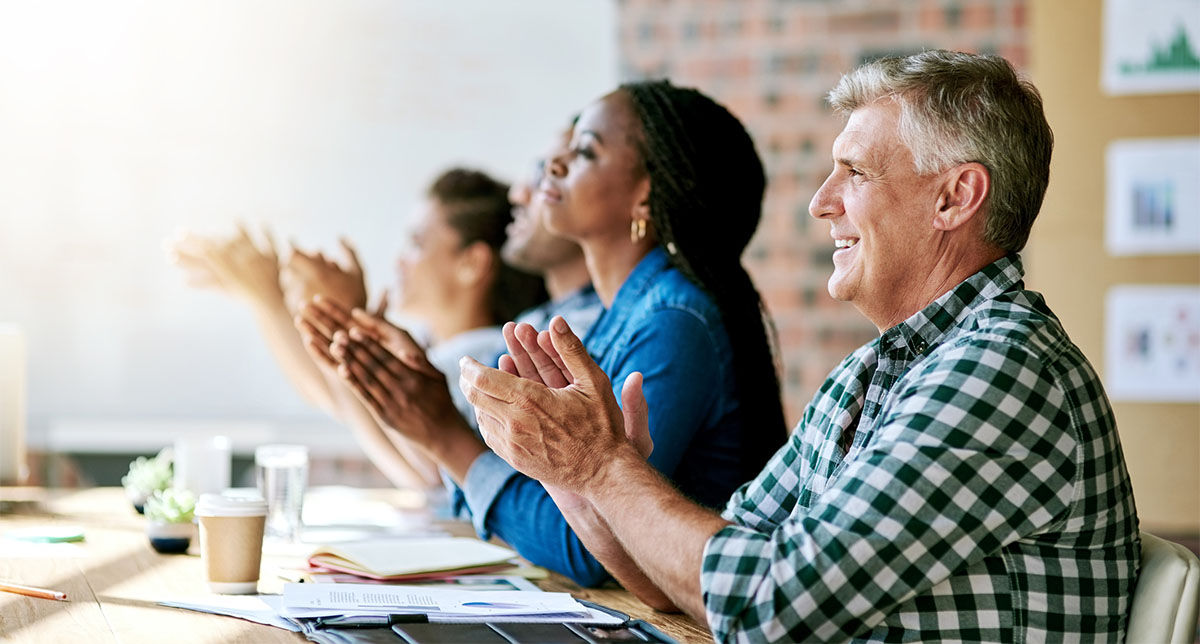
[{"x": 122, "y": 122}]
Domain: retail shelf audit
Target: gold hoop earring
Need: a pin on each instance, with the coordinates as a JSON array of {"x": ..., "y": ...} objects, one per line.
[{"x": 637, "y": 230}]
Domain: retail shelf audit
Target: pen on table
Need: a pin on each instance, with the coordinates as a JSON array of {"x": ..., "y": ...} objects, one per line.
[
  {"x": 495, "y": 604},
  {"x": 32, "y": 591}
]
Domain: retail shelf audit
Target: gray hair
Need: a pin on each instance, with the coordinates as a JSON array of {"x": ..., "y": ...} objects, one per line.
[{"x": 960, "y": 108}]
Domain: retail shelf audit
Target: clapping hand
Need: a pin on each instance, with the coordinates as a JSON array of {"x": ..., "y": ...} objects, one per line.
[
  {"x": 558, "y": 435},
  {"x": 190, "y": 253},
  {"x": 238, "y": 265},
  {"x": 387, "y": 370},
  {"x": 532, "y": 356},
  {"x": 306, "y": 275},
  {"x": 320, "y": 320}
]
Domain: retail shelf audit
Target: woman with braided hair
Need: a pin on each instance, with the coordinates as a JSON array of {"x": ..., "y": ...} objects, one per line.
[{"x": 662, "y": 188}]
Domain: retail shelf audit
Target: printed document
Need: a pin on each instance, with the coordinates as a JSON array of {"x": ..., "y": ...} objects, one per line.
[{"x": 299, "y": 600}]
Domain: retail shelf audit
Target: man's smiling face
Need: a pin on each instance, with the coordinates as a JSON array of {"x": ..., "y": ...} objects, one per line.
[{"x": 880, "y": 213}]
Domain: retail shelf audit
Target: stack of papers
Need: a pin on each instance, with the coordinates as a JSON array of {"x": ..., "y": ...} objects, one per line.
[
  {"x": 412, "y": 559},
  {"x": 437, "y": 604}
]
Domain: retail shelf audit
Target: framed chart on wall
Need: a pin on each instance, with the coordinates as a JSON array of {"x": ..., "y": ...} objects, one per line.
[
  {"x": 1151, "y": 46},
  {"x": 1152, "y": 343},
  {"x": 1153, "y": 197}
]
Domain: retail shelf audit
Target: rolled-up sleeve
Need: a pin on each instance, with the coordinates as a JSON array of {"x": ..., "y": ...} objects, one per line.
[{"x": 486, "y": 478}]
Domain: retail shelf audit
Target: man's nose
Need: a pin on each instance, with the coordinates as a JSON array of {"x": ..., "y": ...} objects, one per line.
[
  {"x": 519, "y": 194},
  {"x": 556, "y": 166},
  {"x": 825, "y": 203}
]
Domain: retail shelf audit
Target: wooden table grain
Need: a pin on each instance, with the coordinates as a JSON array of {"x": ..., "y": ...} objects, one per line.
[{"x": 114, "y": 580}]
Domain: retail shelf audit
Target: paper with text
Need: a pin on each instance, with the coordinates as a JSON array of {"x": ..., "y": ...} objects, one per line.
[{"x": 303, "y": 598}]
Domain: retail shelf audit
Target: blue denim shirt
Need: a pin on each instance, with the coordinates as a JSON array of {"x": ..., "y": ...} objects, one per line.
[{"x": 665, "y": 327}]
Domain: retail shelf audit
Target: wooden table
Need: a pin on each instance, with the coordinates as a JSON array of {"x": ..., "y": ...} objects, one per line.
[{"x": 112, "y": 589}]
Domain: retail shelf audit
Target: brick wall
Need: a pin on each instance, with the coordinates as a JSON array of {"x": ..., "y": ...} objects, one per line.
[{"x": 771, "y": 62}]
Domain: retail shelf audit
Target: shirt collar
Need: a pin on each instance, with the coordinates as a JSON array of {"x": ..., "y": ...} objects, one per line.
[
  {"x": 643, "y": 276},
  {"x": 640, "y": 279},
  {"x": 585, "y": 291},
  {"x": 931, "y": 325},
  {"x": 472, "y": 342}
]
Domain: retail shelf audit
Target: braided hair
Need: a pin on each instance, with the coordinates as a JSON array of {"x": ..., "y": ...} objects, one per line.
[{"x": 706, "y": 192}]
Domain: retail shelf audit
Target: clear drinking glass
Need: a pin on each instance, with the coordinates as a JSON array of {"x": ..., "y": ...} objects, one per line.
[{"x": 282, "y": 474}]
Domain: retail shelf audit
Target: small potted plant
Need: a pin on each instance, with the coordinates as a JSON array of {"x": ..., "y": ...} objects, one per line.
[
  {"x": 169, "y": 520},
  {"x": 147, "y": 476}
]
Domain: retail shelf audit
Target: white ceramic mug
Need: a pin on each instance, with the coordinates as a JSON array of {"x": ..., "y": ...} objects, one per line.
[
  {"x": 202, "y": 464},
  {"x": 13, "y": 470}
]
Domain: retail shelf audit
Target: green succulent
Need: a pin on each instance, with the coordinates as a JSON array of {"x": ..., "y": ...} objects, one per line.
[
  {"x": 148, "y": 475},
  {"x": 171, "y": 506}
]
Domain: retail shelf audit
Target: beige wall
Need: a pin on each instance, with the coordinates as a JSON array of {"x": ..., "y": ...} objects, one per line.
[{"x": 1066, "y": 257}]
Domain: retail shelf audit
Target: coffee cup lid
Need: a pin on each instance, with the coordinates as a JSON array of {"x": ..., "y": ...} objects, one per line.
[{"x": 222, "y": 505}]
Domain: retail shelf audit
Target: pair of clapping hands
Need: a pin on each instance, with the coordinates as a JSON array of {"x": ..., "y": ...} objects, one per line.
[
  {"x": 549, "y": 409},
  {"x": 252, "y": 269},
  {"x": 382, "y": 364}
]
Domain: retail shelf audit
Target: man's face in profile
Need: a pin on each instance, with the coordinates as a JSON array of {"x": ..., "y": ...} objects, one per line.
[
  {"x": 530, "y": 246},
  {"x": 879, "y": 210}
]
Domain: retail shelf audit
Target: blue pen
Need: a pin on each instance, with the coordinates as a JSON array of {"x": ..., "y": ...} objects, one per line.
[{"x": 494, "y": 604}]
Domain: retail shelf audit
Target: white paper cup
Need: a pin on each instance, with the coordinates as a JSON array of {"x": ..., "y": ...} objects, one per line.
[{"x": 231, "y": 536}]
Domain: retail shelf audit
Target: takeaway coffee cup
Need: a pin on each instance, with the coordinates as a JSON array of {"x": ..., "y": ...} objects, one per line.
[{"x": 231, "y": 537}]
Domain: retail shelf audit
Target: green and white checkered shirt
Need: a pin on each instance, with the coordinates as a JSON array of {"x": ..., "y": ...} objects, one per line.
[{"x": 984, "y": 496}]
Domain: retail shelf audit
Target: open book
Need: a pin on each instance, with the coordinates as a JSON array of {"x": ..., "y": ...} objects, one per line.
[{"x": 412, "y": 559}]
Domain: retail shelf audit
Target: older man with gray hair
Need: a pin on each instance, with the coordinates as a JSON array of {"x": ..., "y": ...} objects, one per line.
[{"x": 958, "y": 478}]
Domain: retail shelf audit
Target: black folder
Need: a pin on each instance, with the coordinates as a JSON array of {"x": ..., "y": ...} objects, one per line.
[{"x": 415, "y": 629}]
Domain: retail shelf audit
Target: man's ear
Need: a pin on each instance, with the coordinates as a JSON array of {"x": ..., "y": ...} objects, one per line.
[
  {"x": 961, "y": 196},
  {"x": 474, "y": 263}
]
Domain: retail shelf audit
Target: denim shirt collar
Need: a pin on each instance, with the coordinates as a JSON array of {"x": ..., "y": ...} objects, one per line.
[
  {"x": 606, "y": 329},
  {"x": 580, "y": 294},
  {"x": 930, "y": 326}
]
